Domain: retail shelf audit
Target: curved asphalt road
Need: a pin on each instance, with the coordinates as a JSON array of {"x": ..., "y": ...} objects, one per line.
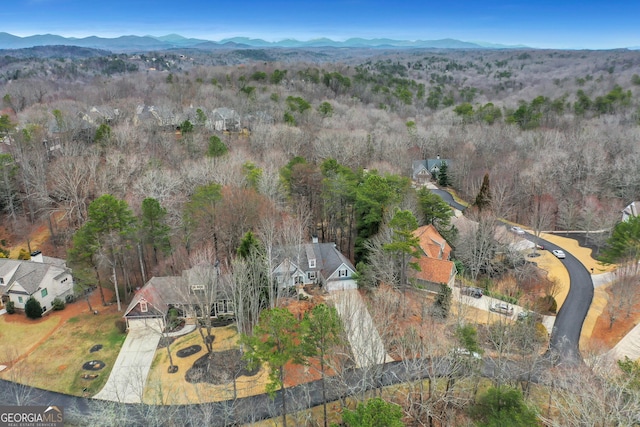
[
  {"x": 447, "y": 197},
  {"x": 563, "y": 346}
]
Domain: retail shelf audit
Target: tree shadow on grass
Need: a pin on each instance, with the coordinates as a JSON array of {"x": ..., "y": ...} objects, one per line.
[{"x": 220, "y": 367}]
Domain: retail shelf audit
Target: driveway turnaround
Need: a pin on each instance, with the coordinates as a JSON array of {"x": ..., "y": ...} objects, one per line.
[{"x": 129, "y": 374}]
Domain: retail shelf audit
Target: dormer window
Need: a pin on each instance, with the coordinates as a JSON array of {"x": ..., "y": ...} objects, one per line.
[{"x": 312, "y": 263}]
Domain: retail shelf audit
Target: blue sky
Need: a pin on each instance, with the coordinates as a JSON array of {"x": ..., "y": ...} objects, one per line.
[{"x": 594, "y": 24}]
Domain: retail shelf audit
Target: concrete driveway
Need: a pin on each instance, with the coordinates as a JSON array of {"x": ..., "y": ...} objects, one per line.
[
  {"x": 485, "y": 302},
  {"x": 129, "y": 374},
  {"x": 366, "y": 343}
]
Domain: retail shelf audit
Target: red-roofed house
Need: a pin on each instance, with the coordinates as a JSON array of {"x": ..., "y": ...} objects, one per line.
[{"x": 435, "y": 266}]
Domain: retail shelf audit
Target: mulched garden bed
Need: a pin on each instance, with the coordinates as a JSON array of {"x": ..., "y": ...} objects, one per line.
[
  {"x": 219, "y": 368},
  {"x": 188, "y": 351},
  {"x": 95, "y": 348},
  {"x": 220, "y": 322},
  {"x": 93, "y": 365},
  {"x": 89, "y": 376}
]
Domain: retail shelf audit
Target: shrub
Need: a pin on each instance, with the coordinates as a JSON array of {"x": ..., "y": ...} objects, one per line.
[
  {"x": 121, "y": 324},
  {"x": 58, "y": 304},
  {"x": 33, "y": 309},
  {"x": 24, "y": 254},
  {"x": 10, "y": 306},
  {"x": 547, "y": 303}
]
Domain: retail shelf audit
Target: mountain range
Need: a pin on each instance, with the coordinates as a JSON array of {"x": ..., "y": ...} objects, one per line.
[{"x": 173, "y": 41}]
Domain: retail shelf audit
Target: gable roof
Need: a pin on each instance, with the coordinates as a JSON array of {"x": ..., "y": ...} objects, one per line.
[
  {"x": 434, "y": 265},
  {"x": 434, "y": 164},
  {"x": 432, "y": 243},
  {"x": 30, "y": 274},
  {"x": 434, "y": 270},
  {"x": 328, "y": 258},
  {"x": 630, "y": 210},
  {"x": 158, "y": 292}
]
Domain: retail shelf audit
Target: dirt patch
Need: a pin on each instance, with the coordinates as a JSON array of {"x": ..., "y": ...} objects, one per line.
[{"x": 605, "y": 336}]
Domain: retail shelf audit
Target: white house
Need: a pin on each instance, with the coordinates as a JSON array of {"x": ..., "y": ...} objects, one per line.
[
  {"x": 43, "y": 278},
  {"x": 630, "y": 210},
  {"x": 315, "y": 263}
]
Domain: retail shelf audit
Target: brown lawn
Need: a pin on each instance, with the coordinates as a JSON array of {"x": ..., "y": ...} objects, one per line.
[
  {"x": 54, "y": 361},
  {"x": 166, "y": 388}
]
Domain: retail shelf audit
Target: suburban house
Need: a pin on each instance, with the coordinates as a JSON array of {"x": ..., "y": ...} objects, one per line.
[
  {"x": 424, "y": 170},
  {"x": 43, "y": 278},
  {"x": 435, "y": 266},
  {"x": 314, "y": 263},
  {"x": 630, "y": 210},
  {"x": 187, "y": 293},
  {"x": 225, "y": 119}
]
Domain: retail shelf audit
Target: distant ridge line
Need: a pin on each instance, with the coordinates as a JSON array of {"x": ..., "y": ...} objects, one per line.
[{"x": 131, "y": 43}]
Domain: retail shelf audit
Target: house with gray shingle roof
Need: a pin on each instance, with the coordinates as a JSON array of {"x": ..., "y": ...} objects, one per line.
[
  {"x": 423, "y": 170},
  {"x": 225, "y": 119},
  {"x": 314, "y": 263},
  {"x": 151, "y": 304},
  {"x": 43, "y": 278}
]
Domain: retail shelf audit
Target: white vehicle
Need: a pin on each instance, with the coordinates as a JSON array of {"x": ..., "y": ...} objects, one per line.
[
  {"x": 465, "y": 352},
  {"x": 517, "y": 230},
  {"x": 558, "y": 253},
  {"x": 502, "y": 308}
]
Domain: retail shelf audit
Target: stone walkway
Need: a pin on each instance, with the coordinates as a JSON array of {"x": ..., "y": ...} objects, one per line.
[{"x": 366, "y": 344}]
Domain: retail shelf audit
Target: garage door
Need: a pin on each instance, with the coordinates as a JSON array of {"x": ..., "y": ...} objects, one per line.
[
  {"x": 146, "y": 324},
  {"x": 341, "y": 285}
]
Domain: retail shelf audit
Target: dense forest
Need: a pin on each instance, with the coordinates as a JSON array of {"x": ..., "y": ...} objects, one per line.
[{"x": 190, "y": 151}]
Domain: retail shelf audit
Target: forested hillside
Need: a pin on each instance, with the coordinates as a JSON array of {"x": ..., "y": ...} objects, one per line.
[
  {"x": 141, "y": 165},
  {"x": 556, "y": 129}
]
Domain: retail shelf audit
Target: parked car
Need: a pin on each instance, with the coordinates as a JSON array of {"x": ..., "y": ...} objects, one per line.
[
  {"x": 558, "y": 253},
  {"x": 502, "y": 308},
  {"x": 471, "y": 291},
  {"x": 529, "y": 315},
  {"x": 517, "y": 230},
  {"x": 465, "y": 352}
]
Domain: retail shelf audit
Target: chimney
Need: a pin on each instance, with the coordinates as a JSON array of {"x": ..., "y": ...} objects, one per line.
[
  {"x": 314, "y": 239},
  {"x": 37, "y": 256},
  {"x": 438, "y": 157}
]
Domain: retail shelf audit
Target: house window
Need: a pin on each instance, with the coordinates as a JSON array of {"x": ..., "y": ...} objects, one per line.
[
  {"x": 298, "y": 280},
  {"x": 1, "y": 281},
  {"x": 44, "y": 292},
  {"x": 20, "y": 300},
  {"x": 311, "y": 275},
  {"x": 312, "y": 263},
  {"x": 342, "y": 273},
  {"x": 197, "y": 288},
  {"x": 143, "y": 306}
]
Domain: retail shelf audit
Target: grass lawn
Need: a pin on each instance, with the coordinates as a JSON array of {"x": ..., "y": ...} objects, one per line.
[
  {"x": 19, "y": 334},
  {"x": 173, "y": 389},
  {"x": 57, "y": 363}
]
